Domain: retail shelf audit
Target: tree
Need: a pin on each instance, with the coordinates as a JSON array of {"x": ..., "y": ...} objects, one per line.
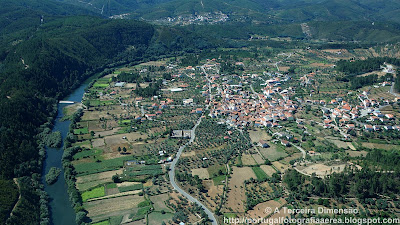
[
  {"x": 119, "y": 149},
  {"x": 124, "y": 149},
  {"x": 80, "y": 217},
  {"x": 116, "y": 178}
]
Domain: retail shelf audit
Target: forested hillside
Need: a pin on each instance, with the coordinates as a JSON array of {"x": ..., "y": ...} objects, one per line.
[
  {"x": 267, "y": 11},
  {"x": 42, "y": 62}
]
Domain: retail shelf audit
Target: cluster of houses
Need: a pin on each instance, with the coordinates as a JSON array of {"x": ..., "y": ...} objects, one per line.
[
  {"x": 345, "y": 116},
  {"x": 243, "y": 108}
]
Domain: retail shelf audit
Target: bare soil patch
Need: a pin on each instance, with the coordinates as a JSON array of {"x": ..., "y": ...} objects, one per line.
[
  {"x": 188, "y": 154},
  {"x": 281, "y": 167},
  {"x": 260, "y": 211},
  {"x": 107, "y": 132},
  {"x": 381, "y": 146},
  {"x": 107, "y": 206},
  {"x": 356, "y": 153},
  {"x": 159, "y": 202},
  {"x": 236, "y": 196},
  {"x": 258, "y": 158},
  {"x": 98, "y": 142},
  {"x": 322, "y": 170},
  {"x": 124, "y": 184}
]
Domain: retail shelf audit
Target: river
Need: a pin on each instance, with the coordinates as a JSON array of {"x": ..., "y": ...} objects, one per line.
[{"x": 61, "y": 210}]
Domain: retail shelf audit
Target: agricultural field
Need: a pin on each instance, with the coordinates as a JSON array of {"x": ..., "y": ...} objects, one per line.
[
  {"x": 268, "y": 170},
  {"x": 94, "y": 193},
  {"x": 322, "y": 170},
  {"x": 273, "y": 153},
  {"x": 260, "y": 174},
  {"x": 257, "y": 134},
  {"x": 236, "y": 196}
]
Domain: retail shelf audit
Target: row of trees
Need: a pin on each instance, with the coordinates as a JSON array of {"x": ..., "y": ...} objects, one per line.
[{"x": 69, "y": 170}]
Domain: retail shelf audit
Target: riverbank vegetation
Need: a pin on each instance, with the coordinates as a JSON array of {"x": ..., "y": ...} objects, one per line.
[{"x": 52, "y": 175}]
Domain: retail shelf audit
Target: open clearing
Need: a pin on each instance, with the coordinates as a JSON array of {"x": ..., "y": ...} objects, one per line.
[
  {"x": 258, "y": 158},
  {"x": 107, "y": 132},
  {"x": 259, "y": 210},
  {"x": 356, "y": 153},
  {"x": 340, "y": 144},
  {"x": 126, "y": 184},
  {"x": 158, "y": 202},
  {"x": 119, "y": 138},
  {"x": 322, "y": 170},
  {"x": 281, "y": 167},
  {"x": 201, "y": 172},
  {"x": 188, "y": 154},
  {"x": 381, "y": 146},
  {"x": 236, "y": 195},
  {"x": 99, "y": 142},
  {"x": 273, "y": 153},
  {"x": 156, "y": 218},
  {"x": 258, "y": 135}
]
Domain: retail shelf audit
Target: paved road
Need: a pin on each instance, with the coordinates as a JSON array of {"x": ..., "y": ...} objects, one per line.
[
  {"x": 142, "y": 110},
  {"x": 301, "y": 149},
  {"x": 172, "y": 175},
  {"x": 392, "y": 91}
]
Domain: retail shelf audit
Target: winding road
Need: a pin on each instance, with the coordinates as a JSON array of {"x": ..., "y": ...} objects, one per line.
[
  {"x": 172, "y": 173},
  {"x": 392, "y": 91}
]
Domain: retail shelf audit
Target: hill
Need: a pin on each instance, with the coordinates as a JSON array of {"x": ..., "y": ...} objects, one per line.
[
  {"x": 269, "y": 11},
  {"x": 42, "y": 61}
]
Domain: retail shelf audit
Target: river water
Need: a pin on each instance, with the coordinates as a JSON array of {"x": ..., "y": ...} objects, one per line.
[{"x": 61, "y": 210}]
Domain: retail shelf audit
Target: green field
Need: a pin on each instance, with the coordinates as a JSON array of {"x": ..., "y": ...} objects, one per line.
[
  {"x": 102, "y": 223},
  {"x": 141, "y": 170},
  {"x": 215, "y": 170},
  {"x": 81, "y": 143},
  {"x": 125, "y": 122},
  {"x": 273, "y": 153},
  {"x": 116, "y": 220},
  {"x": 111, "y": 185},
  {"x": 98, "y": 102},
  {"x": 131, "y": 188},
  {"x": 96, "y": 167},
  {"x": 81, "y": 131},
  {"x": 88, "y": 153},
  {"x": 144, "y": 204},
  {"x": 94, "y": 193},
  {"x": 156, "y": 218},
  {"x": 230, "y": 215},
  {"x": 100, "y": 85},
  {"x": 261, "y": 175},
  {"x": 218, "y": 180}
]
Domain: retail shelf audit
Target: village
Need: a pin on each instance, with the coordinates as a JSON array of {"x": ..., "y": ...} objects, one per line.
[{"x": 230, "y": 129}]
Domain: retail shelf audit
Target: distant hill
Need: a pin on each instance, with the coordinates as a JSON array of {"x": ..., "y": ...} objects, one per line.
[{"x": 266, "y": 11}]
